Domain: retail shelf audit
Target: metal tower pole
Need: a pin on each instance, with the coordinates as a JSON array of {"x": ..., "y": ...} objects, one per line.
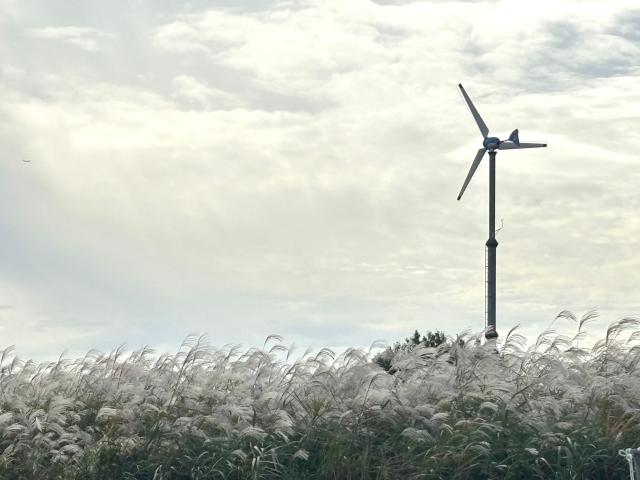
[{"x": 492, "y": 245}]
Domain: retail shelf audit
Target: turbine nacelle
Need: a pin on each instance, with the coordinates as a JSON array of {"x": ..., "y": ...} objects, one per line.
[{"x": 494, "y": 143}]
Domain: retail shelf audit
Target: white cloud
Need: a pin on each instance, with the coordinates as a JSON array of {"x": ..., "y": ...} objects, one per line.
[
  {"x": 85, "y": 38},
  {"x": 198, "y": 93}
]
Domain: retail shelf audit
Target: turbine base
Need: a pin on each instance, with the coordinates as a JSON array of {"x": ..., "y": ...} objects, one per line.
[{"x": 491, "y": 334}]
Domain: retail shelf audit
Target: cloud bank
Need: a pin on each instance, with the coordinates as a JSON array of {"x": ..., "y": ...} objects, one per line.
[{"x": 247, "y": 168}]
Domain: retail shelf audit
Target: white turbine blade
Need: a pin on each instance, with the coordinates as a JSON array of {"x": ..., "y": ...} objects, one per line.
[
  {"x": 472, "y": 170},
  {"x": 481, "y": 125},
  {"x": 513, "y": 146}
]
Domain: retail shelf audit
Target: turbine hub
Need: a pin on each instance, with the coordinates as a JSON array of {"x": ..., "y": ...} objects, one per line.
[{"x": 491, "y": 143}]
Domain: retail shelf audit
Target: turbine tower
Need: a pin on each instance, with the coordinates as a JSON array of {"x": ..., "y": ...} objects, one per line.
[{"x": 491, "y": 145}]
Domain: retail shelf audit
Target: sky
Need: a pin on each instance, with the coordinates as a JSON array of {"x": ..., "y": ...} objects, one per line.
[{"x": 252, "y": 167}]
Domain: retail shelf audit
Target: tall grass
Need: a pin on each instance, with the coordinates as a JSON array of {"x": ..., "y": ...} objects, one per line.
[{"x": 549, "y": 410}]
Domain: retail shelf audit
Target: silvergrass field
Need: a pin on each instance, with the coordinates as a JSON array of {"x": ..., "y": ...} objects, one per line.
[{"x": 551, "y": 409}]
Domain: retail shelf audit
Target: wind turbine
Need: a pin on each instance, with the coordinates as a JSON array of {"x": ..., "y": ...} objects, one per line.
[{"x": 491, "y": 145}]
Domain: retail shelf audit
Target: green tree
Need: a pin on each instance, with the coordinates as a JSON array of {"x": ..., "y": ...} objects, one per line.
[{"x": 429, "y": 339}]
